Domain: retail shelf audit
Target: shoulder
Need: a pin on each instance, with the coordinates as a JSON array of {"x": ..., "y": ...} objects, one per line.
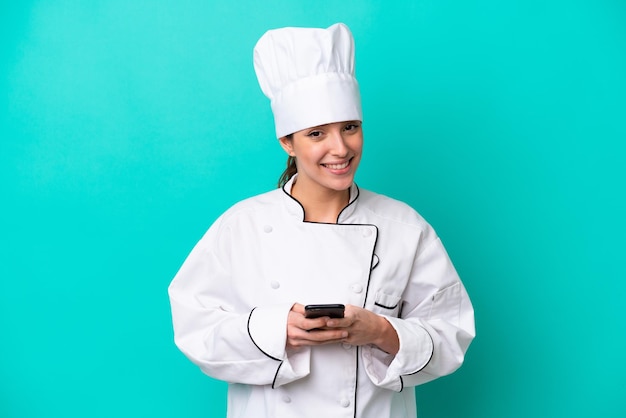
[
  {"x": 389, "y": 208},
  {"x": 256, "y": 204},
  {"x": 395, "y": 217},
  {"x": 243, "y": 214},
  {"x": 386, "y": 209}
]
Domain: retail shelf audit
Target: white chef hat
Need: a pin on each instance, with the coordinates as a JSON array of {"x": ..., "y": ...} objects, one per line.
[{"x": 308, "y": 75}]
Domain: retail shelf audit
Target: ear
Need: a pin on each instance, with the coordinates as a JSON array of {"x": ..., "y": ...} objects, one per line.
[{"x": 287, "y": 144}]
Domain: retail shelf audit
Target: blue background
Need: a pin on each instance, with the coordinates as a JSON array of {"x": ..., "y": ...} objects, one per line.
[{"x": 127, "y": 127}]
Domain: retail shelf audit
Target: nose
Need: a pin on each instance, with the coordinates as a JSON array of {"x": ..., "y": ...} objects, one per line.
[{"x": 338, "y": 143}]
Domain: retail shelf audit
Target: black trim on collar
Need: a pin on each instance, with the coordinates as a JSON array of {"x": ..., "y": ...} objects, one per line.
[
  {"x": 295, "y": 200},
  {"x": 358, "y": 192},
  {"x": 351, "y": 201}
]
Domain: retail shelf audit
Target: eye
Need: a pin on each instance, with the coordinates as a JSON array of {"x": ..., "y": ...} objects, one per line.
[
  {"x": 314, "y": 134},
  {"x": 352, "y": 126}
]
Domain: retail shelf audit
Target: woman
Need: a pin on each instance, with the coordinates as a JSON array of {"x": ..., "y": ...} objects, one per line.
[{"x": 238, "y": 300}]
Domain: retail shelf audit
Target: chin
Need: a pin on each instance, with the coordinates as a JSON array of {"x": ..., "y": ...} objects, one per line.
[{"x": 341, "y": 185}]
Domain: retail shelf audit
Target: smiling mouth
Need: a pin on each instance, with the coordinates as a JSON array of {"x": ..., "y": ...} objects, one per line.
[{"x": 338, "y": 166}]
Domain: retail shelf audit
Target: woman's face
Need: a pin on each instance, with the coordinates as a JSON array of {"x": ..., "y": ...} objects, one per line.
[{"x": 327, "y": 156}]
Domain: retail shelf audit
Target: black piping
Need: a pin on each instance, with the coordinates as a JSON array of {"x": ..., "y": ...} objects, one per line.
[
  {"x": 276, "y": 375},
  {"x": 432, "y": 353},
  {"x": 295, "y": 200},
  {"x": 386, "y": 307},
  {"x": 252, "y": 339},
  {"x": 351, "y": 202},
  {"x": 367, "y": 289},
  {"x": 356, "y": 384},
  {"x": 338, "y": 216},
  {"x": 369, "y": 277}
]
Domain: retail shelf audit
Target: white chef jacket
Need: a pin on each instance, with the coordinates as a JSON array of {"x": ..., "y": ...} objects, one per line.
[{"x": 231, "y": 298}]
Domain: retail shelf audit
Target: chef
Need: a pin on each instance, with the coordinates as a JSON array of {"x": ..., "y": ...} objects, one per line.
[{"x": 238, "y": 300}]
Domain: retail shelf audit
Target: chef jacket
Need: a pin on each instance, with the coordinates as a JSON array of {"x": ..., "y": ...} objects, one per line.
[{"x": 231, "y": 298}]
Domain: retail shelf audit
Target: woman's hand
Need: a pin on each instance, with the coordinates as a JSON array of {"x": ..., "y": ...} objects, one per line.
[
  {"x": 302, "y": 331},
  {"x": 365, "y": 327},
  {"x": 358, "y": 327}
]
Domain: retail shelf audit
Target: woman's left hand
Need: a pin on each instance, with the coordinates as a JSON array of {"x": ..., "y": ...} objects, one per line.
[{"x": 365, "y": 327}]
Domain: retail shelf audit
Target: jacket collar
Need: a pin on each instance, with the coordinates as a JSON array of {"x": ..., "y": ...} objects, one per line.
[{"x": 295, "y": 208}]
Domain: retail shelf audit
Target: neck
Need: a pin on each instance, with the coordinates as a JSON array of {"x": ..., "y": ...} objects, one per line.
[{"x": 320, "y": 204}]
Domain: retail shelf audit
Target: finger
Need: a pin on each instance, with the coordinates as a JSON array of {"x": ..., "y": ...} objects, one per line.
[
  {"x": 297, "y": 307},
  {"x": 310, "y": 343},
  {"x": 327, "y": 335},
  {"x": 321, "y": 336},
  {"x": 310, "y": 324},
  {"x": 339, "y": 322}
]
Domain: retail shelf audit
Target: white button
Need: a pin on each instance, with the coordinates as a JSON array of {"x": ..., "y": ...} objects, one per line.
[
  {"x": 286, "y": 399},
  {"x": 275, "y": 284},
  {"x": 356, "y": 288},
  {"x": 345, "y": 402},
  {"x": 346, "y": 346},
  {"x": 267, "y": 228}
]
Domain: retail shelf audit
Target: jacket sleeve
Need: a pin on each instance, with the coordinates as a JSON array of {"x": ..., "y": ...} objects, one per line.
[
  {"x": 435, "y": 327},
  {"x": 210, "y": 327}
]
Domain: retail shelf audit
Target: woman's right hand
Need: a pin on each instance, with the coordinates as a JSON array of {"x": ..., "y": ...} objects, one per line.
[{"x": 302, "y": 331}]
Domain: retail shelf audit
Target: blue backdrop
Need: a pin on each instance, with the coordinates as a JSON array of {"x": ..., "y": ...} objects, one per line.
[{"x": 127, "y": 127}]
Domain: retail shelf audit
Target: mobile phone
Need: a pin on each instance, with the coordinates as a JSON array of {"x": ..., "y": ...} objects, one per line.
[{"x": 331, "y": 310}]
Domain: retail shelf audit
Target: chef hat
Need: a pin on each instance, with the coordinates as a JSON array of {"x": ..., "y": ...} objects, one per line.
[{"x": 308, "y": 75}]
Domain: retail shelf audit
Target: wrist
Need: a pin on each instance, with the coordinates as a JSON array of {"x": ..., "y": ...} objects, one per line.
[{"x": 387, "y": 340}]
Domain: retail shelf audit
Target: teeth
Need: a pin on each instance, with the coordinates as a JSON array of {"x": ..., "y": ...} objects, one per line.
[{"x": 337, "y": 166}]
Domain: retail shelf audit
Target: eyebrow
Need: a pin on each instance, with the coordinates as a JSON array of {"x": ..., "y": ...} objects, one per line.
[{"x": 328, "y": 124}]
